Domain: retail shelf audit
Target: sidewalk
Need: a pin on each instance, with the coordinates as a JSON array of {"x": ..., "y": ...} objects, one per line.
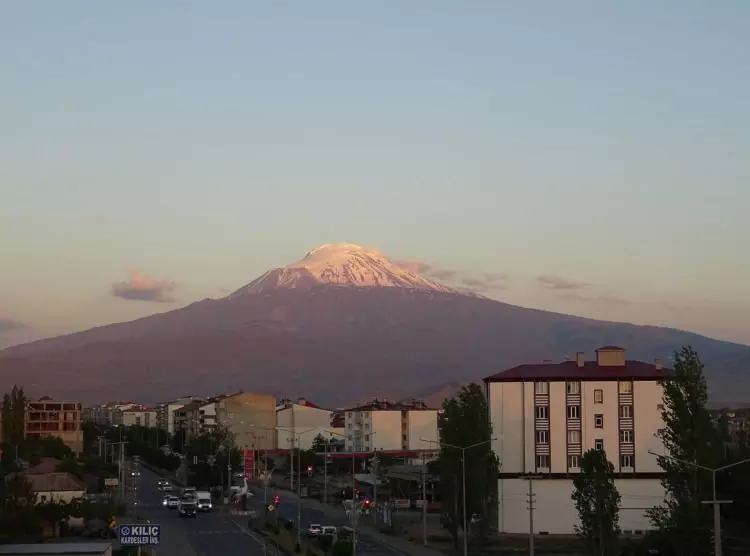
[{"x": 397, "y": 543}]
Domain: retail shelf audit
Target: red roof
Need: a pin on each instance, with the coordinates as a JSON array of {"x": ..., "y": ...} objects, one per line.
[{"x": 569, "y": 370}]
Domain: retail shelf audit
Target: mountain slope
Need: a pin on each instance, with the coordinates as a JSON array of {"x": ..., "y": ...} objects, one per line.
[{"x": 334, "y": 342}]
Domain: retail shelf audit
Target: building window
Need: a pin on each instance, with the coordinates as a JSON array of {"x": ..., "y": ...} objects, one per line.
[
  {"x": 574, "y": 412},
  {"x": 542, "y": 412},
  {"x": 573, "y": 462},
  {"x": 349, "y": 425},
  {"x": 542, "y": 462},
  {"x": 626, "y": 437},
  {"x": 599, "y": 421},
  {"x": 574, "y": 387},
  {"x": 349, "y": 415},
  {"x": 598, "y": 396},
  {"x": 541, "y": 387},
  {"x": 367, "y": 437},
  {"x": 626, "y": 461},
  {"x": 574, "y": 437},
  {"x": 367, "y": 426},
  {"x": 366, "y": 415},
  {"x": 598, "y": 444},
  {"x": 542, "y": 437},
  {"x": 626, "y": 387},
  {"x": 626, "y": 411}
]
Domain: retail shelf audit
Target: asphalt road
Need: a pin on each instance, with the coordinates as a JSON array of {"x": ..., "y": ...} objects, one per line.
[
  {"x": 208, "y": 534},
  {"x": 367, "y": 545}
]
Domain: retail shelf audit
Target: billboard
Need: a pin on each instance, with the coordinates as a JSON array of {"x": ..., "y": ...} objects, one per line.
[
  {"x": 248, "y": 457},
  {"x": 139, "y": 535}
]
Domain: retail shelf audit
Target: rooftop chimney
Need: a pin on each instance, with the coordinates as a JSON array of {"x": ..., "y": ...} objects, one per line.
[
  {"x": 657, "y": 364},
  {"x": 580, "y": 360}
]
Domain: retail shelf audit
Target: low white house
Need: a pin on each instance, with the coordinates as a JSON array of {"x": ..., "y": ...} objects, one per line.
[{"x": 546, "y": 416}]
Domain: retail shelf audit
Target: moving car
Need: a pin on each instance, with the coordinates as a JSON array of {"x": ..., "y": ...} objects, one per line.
[
  {"x": 188, "y": 491},
  {"x": 171, "y": 502},
  {"x": 203, "y": 501},
  {"x": 186, "y": 508},
  {"x": 314, "y": 529},
  {"x": 167, "y": 487}
]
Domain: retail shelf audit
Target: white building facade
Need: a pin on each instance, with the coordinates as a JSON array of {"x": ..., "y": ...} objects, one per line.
[
  {"x": 300, "y": 422},
  {"x": 546, "y": 416},
  {"x": 386, "y": 426}
]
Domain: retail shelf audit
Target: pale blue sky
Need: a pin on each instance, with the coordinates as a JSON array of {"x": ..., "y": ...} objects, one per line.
[{"x": 204, "y": 142}]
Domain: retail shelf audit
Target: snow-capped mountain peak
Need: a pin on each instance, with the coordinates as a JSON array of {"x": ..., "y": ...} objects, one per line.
[{"x": 340, "y": 264}]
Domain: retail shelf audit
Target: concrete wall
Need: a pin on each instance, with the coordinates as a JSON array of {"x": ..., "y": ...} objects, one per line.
[
  {"x": 423, "y": 424},
  {"x": 555, "y": 511}
]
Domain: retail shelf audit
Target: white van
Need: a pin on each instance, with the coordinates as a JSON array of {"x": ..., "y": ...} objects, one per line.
[{"x": 203, "y": 501}]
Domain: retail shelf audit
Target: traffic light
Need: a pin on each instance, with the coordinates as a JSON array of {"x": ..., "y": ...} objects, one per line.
[
  {"x": 309, "y": 470},
  {"x": 276, "y": 500}
]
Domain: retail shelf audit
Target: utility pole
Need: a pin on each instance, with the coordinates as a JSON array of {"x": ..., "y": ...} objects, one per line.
[
  {"x": 424, "y": 501},
  {"x": 531, "y": 496},
  {"x": 291, "y": 463},
  {"x": 375, "y": 463},
  {"x": 716, "y": 503},
  {"x": 325, "y": 472}
]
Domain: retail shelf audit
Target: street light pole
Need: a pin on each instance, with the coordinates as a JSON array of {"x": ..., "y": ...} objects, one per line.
[
  {"x": 714, "y": 502},
  {"x": 463, "y": 479}
]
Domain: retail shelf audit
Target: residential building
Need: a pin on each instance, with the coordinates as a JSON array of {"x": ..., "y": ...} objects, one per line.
[
  {"x": 165, "y": 412},
  {"x": 136, "y": 415},
  {"x": 391, "y": 426},
  {"x": 299, "y": 422},
  {"x": 250, "y": 418},
  {"x": 105, "y": 414},
  {"x": 546, "y": 416},
  {"x": 197, "y": 417},
  {"x": 47, "y": 417}
]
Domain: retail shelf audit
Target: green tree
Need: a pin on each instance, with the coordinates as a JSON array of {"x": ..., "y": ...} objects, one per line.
[
  {"x": 18, "y": 516},
  {"x": 688, "y": 435},
  {"x": 7, "y": 426},
  {"x": 598, "y": 504},
  {"x": 53, "y": 513},
  {"x": 466, "y": 422},
  {"x": 319, "y": 443}
]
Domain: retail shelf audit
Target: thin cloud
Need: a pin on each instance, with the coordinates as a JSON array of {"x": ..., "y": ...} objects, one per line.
[
  {"x": 428, "y": 270},
  {"x": 143, "y": 288},
  {"x": 554, "y": 282},
  {"x": 482, "y": 284},
  {"x": 463, "y": 281},
  {"x": 10, "y": 325},
  {"x": 609, "y": 300}
]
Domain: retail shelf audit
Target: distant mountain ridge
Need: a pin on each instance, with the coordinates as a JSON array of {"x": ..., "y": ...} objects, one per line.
[{"x": 341, "y": 324}]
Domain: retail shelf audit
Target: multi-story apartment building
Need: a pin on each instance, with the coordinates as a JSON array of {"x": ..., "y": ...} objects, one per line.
[
  {"x": 105, "y": 414},
  {"x": 197, "y": 417},
  {"x": 136, "y": 415},
  {"x": 165, "y": 413},
  {"x": 47, "y": 417},
  {"x": 546, "y": 416},
  {"x": 301, "y": 421},
  {"x": 389, "y": 426},
  {"x": 250, "y": 418}
]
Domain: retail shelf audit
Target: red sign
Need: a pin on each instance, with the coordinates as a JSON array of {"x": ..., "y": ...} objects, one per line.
[{"x": 249, "y": 463}]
